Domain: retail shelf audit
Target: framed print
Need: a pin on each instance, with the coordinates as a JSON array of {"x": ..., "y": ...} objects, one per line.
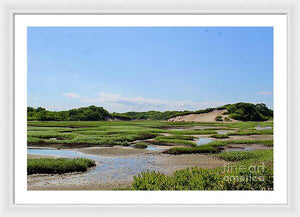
[
  {"x": 150, "y": 112},
  {"x": 174, "y": 146}
]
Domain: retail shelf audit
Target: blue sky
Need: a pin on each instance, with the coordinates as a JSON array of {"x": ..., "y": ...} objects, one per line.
[{"x": 149, "y": 68}]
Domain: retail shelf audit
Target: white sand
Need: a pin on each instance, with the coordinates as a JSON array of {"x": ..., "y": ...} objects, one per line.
[{"x": 205, "y": 117}]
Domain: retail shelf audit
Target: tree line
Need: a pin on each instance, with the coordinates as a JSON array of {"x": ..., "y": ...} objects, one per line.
[
  {"x": 91, "y": 113},
  {"x": 239, "y": 111}
]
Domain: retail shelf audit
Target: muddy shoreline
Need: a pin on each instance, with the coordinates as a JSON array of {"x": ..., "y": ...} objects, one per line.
[{"x": 107, "y": 175}]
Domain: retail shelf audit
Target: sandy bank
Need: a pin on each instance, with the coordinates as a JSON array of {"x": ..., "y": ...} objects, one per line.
[
  {"x": 33, "y": 156},
  {"x": 205, "y": 117},
  {"x": 115, "y": 151}
]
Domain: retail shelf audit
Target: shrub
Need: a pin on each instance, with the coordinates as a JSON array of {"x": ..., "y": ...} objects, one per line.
[
  {"x": 219, "y": 118},
  {"x": 58, "y": 166},
  {"x": 227, "y": 119},
  {"x": 152, "y": 181},
  {"x": 206, "y": 179},
  {"x": 259, "y": 179},
  {"x": 249, "y": 112},
  {"x": 141, "y": 145}
]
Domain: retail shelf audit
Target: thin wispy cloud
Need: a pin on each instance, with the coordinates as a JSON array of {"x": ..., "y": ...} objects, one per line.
[
  {"x": 72, "y": 95},
  {"x": 266, "y": 93},
  {"x": 119, "y": 103}
]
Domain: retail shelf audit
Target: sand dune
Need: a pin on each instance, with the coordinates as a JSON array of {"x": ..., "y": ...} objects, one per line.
[{"x": 205, "y": 117}]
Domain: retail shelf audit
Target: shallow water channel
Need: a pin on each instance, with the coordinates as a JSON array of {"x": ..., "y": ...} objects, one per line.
[
  {"x": 152, "y": 148},
  {"x": 108, "y": 169},
  {"x": 204, "y": 141},
  {"x": 258, "y": 127}
]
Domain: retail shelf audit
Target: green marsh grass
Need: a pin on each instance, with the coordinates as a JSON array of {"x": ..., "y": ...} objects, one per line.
[
  {"x": 182, "y": 137},
  {"x": 249, "y": 142},
  {"x": 204, "y": 179},
  {"x": 58, "y": 166},
  {"x": 141, "y": 145},
  {"x": 241, "y": 177},
  {"x": 203, "y": 149},
  {"x": 172, "y": 142},
  {"x": 191, "y": 132},
  {"x": 111, "y": 133},
  {"x": 258, "y": 155},
  {"x": 251, "y": 132},
  {"x": 219, "y": 136},
  {"x": 214, "y": 147}
]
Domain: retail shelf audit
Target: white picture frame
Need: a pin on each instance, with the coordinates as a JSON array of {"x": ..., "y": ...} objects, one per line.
[
  {"x": 9, "y": 9},
  {"x": 277, "y": 196}
]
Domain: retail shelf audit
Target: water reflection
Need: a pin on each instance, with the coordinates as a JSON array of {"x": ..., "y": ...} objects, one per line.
[{"x": 203, "y": 141}]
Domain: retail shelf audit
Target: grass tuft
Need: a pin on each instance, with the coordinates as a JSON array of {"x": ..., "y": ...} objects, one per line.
[
  {"x": 58, "y": 166},
  {"x": 141, "y": 145},
  {"x": 172, "y": 142},
  {"x": 259, "y": 155},
  {"x": 208, "y": 149},
  {"x": 219, "y": 136}
]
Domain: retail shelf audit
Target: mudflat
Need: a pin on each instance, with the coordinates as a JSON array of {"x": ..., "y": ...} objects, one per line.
[{"x": 95, "y": 179}]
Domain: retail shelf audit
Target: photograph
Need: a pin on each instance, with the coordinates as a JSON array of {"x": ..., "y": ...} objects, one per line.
[{"x": 150, "y": 108}]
